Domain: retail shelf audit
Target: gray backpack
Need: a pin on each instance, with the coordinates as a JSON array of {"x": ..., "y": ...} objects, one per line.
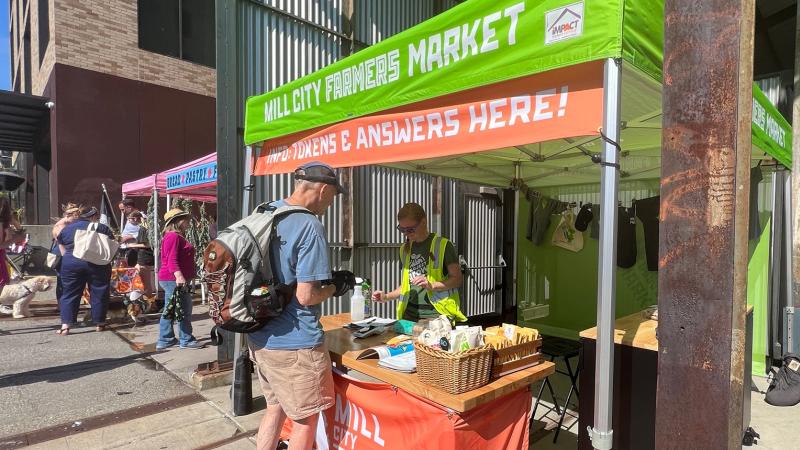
[{"x": 243, "y": 294}]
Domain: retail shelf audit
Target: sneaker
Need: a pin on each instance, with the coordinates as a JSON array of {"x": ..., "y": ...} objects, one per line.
[
  {"x": 194, "y": 345},
  {"x": 5, "y": 309},
  {"x": 166, "y": 346}
]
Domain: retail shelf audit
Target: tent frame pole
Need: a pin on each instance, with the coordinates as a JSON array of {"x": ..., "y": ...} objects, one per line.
[
  {"x": 157, "y": 244},
  {"x": 121, "y": 216},
  {"x": 602, "y": 433},
  {"x": 514, "y": 287}
]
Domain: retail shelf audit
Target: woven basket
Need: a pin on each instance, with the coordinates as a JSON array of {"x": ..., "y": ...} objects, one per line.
[{"x": 454, "y": 372}]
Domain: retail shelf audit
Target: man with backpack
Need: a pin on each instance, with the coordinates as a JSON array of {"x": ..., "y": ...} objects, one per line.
[{"x": 293, "y": 363}]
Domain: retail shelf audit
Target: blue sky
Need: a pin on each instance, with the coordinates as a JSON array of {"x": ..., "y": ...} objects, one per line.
[{"x": 5, "y": 47}]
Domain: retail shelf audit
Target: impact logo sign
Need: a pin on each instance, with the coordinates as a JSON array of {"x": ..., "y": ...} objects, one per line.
[{"x": 563, "y": 23}]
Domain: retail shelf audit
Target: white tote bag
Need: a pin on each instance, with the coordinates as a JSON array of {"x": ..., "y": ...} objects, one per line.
[
  {"x": 566, "y": 236},
  {"x": 94, "y": 247}
]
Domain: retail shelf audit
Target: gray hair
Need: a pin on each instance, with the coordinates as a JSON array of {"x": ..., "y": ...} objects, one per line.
[{"x": 305, "y": 185}]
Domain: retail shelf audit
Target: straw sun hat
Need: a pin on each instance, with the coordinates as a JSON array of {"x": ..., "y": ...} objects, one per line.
[{"x": 174, "y": 213}]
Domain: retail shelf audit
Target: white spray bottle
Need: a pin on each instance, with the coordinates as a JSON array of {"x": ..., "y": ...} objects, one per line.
[{"x": 357, "y": 304}]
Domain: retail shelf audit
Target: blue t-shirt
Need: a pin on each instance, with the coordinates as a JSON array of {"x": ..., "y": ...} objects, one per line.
[
  {"x": 131, "y": 229},
  {"x": 299, "y": 253}
]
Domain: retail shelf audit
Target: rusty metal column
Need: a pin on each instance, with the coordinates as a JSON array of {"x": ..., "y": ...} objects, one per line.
[
  {"x": 794, "y": 219},
  {"x": 347, "y": 174},
  {"x": 601, "y": 434},
  {"x": 229, "y": 138},
  {"x": 705, "y": 179},
  {"x": 239, "y": 339}
]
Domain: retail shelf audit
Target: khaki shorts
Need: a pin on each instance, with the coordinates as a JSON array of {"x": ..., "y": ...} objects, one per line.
[{"x": 299, "y": 380}]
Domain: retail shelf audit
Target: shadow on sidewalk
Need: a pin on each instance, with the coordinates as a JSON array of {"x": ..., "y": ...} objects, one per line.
[
  {"x": 71, "y": 371},
  {"x": 29, "y": 330}
]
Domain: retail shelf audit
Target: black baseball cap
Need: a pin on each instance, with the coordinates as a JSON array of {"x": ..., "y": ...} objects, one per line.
[
  {"x": 90, "y": 213},
  {"x": 319, "y": 172}
]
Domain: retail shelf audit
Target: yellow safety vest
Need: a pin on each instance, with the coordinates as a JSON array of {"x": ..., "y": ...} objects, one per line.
[{"x": 445, "y": 302}]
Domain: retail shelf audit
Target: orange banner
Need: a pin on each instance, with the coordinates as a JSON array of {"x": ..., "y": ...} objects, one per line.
[
  {"x": 557, "y": 104},
  {"x": 379, "y": 416}
]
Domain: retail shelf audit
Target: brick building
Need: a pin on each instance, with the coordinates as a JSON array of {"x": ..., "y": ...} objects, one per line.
[{"x": 132, "y": 85}]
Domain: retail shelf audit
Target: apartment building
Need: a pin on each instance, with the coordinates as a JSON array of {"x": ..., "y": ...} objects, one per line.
[{"x": 130, "y": 86}]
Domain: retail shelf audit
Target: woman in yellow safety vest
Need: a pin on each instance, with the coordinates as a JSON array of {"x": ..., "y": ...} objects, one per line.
[{"x": 431, "y": 273}]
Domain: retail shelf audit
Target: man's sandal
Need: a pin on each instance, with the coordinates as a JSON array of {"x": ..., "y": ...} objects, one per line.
[
  {"x": 62, "y": 331},
  {"x": 101, "y": 328}
]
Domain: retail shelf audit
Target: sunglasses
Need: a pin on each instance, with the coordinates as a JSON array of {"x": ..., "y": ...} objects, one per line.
[{"x": 407, "y": 230}]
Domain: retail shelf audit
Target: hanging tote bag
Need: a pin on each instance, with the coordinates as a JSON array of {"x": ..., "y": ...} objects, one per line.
[
  {"x": 53, "y": 256},
  {"x": 94, "y": 247},
  {"x": 566, "y": 236}
]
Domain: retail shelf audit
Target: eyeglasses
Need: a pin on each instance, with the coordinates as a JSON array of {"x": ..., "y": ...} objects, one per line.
[{"x": 407, "y": 230}]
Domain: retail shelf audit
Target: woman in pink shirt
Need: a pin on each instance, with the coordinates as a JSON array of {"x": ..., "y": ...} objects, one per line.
[{"x": 177, "y": 268}]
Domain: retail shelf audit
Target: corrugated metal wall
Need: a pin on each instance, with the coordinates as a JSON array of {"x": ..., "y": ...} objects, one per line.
[
  {"x": 590, "y": 193},
  {"x": 282, "y": 40},
  {"x": 480, "y": 250},
  {"x": 779, "y": 89},
  {"x": 276, "y": 49},
  {"x": 377, "y": 20}
]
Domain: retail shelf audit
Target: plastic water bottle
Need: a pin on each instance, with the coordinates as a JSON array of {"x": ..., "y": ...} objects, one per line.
[
  {"x": 357, "y": 304},
  {"x": 367, "y": 293}
]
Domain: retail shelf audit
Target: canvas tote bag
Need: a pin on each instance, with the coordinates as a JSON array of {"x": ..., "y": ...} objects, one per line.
[
  {"x": 94, "y": 247},
  {"x": 566, "y": 236},
  {"x": 53, "y": 258}
]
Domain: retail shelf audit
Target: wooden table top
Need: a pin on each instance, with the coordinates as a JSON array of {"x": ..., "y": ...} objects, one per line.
[
  {"x": 635, "y": 331},
  {"x": 344, "y": 349}
]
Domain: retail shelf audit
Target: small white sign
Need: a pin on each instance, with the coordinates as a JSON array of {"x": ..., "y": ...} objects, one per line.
[{"x": 563, "y": 23}]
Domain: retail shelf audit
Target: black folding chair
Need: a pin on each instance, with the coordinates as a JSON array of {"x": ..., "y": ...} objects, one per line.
[{"x": 556, "y": 347}]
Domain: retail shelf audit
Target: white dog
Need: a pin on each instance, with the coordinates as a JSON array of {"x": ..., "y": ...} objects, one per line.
[{"x": 20, "y": 295}]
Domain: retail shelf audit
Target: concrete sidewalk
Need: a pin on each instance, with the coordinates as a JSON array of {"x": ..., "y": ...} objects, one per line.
[
  {"x": 180, "y": 362},
  {"x": 89, "y": 374},
  {"x": 109, "y": 389},
  {"x": 47, "y": 379},
  {"x": 200, "y": 425}
]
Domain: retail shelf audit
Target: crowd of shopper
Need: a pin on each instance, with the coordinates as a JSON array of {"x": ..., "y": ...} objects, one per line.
[{"x": 77, "y": 277}]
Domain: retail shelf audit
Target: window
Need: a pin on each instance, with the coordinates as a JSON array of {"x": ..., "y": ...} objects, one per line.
[
  {"x": 179, "y": 28},
  {"x": 158, "y": 26},
  {"x": 26, "y": 65},
  {"x": 44, "y": 28},
  {"x": 197, "y": 31}
]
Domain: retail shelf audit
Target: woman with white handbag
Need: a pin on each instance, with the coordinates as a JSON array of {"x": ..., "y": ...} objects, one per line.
[
  {"x": 70, "y": 214},
  {"x": 87, "y": 248}
]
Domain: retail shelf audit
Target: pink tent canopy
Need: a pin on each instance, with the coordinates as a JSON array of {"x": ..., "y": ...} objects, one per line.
[
  {"x": 195, "y": 180},
  {"x": 144, "y": 186}
]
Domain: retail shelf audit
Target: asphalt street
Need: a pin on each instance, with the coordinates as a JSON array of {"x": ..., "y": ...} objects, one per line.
[{"x": 47, "y": 379}]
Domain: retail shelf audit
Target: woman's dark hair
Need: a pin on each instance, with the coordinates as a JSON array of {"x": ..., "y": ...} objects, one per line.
[{"x": 6, "y": 213}]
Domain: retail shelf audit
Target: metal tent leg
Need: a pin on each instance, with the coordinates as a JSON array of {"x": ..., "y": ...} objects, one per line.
[{"x": 602, "y": 434}]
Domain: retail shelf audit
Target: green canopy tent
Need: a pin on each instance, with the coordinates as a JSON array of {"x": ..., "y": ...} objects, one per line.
[{"x": 508, "y": 93}]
